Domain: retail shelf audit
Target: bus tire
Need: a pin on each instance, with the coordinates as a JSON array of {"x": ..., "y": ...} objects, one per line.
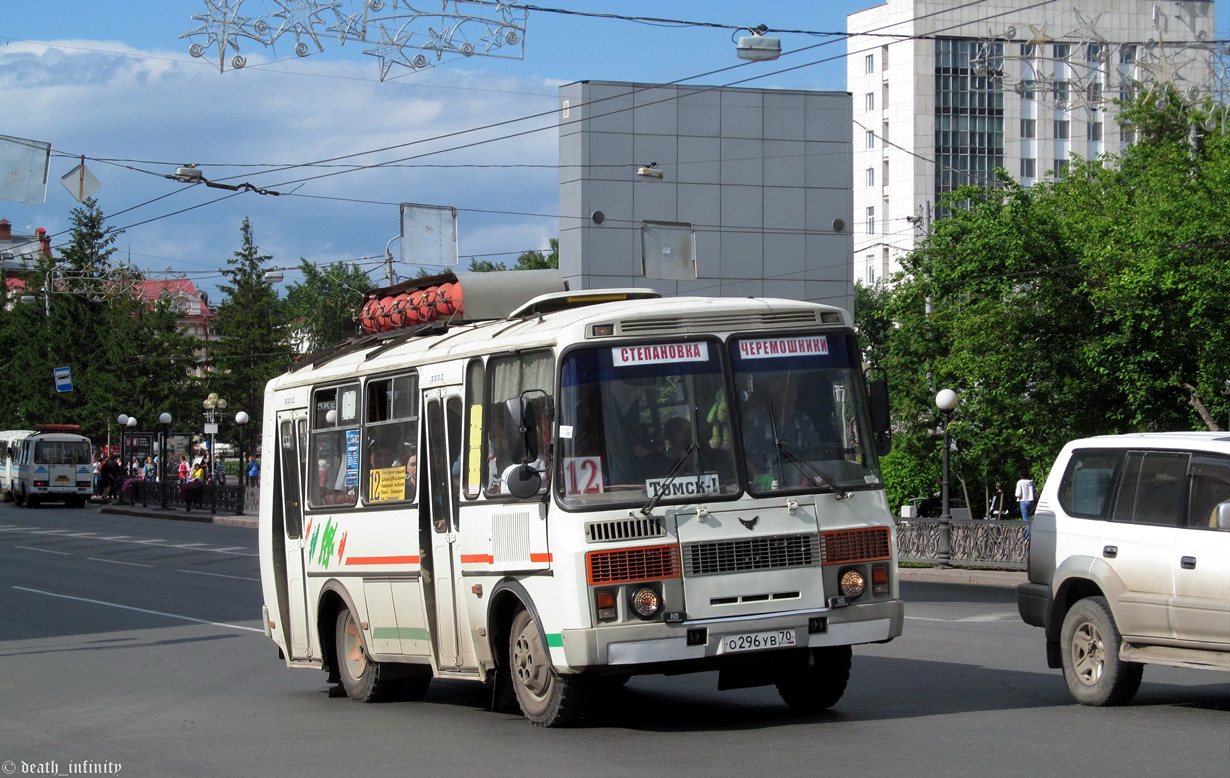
[
  {"x": 364, "y": 679},
  {"x": 1089, "y": 646},
  {"x": 18, "y": 497},
  {"x": 818, "y": 680},
  {"x": 546, "y": 698}
]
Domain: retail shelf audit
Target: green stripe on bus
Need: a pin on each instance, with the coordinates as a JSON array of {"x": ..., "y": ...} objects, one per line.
[
  {"x": 555, "y": 640},
  {"x": 395, "y": 633}
]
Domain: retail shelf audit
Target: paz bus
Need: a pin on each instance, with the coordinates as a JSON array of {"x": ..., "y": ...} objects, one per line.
[
  {"x": 10, "y": 443},
  {"x": 554, "y": 494},
  {"x": 53, "y": 463}
]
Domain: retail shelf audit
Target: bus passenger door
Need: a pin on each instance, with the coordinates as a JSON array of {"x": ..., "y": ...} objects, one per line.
[
  {"x": 292, "y": 448},
  {"x": 443, "y": 463}
]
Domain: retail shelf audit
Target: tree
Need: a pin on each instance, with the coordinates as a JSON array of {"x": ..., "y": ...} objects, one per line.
[
  {"x": 322, "y": 309},
  {"x": 253, "y": 343},
  {"x": 1084, "y": 305},
  {"x": 124, "y": 356},
  {"x": 529, "y": 260}
]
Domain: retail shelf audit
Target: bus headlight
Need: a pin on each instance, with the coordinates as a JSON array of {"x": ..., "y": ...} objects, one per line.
[
  {"x": 852, "y": 583},
  {"x": 645, "y": 602}
]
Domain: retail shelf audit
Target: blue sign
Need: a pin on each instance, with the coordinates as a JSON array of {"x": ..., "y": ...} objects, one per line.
[{"x": 64, "y": 379}]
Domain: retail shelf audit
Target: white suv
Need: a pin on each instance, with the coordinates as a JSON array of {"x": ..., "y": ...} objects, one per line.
[{"x": 1129, "y": 560}]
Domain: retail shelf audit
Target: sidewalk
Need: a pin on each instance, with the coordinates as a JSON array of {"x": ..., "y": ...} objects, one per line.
[
  {"x": 965, "y": 575},
  {"x": 154, "y": 512}
]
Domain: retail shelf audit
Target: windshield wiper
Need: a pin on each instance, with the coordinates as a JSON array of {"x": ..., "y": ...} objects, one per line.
[
  {"x": 670, "y": 477},
  {"x": 812, "y": 470}
]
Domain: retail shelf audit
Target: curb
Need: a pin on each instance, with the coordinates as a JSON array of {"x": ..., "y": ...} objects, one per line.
[
  {"x": 205, "y": 517},
  {"x": 1004, "y": 578}
]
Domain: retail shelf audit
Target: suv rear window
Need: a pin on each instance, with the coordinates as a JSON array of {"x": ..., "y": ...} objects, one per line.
[{"x": 1089, "y": 481}]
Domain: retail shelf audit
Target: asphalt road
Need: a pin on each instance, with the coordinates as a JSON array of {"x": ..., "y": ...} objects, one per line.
[{"x": 132, "y": 646}]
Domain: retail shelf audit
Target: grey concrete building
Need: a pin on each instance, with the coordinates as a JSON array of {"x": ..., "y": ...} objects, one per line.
[{"x": 706, "y": 190}]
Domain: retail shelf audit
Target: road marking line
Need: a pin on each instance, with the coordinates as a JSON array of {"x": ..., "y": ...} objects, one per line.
[
  {"x": 218, "y": 575},
  {"x": 140, "y": 610},
  {"x": 117, "y": 562},
  {"x": 43, "y": 550}
]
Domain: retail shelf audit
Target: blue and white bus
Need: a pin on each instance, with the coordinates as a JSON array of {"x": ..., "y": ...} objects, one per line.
[{"x": 53, "y": 463}]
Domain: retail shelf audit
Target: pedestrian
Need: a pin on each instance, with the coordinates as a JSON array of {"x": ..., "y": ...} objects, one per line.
[
  {"x": 254, "y": 470},
  {"x": 1026, "y": 495},
  {"x": 183, "y": 468},
  {"x": 219, "y": 471},
  {"x": 147, "y": 470},
  {"x": 998, "y": 508}
]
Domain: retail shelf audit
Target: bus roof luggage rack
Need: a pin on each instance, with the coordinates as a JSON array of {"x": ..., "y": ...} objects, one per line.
[{"x": 454, "y": 297}]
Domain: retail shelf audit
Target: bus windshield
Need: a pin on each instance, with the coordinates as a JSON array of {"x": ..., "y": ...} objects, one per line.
[
  {"x": 801, "y": 412},
  {"x": 644, "y": 422},
  {"x": 62, "y": 452}
]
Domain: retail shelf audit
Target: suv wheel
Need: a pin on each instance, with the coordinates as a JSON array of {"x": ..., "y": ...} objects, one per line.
[{"x": 1089, "y": 644}]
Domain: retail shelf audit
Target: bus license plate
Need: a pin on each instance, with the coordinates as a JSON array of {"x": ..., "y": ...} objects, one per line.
[
  {"x": 60, "y": 478},
  {"x": 754, "y": 641}
]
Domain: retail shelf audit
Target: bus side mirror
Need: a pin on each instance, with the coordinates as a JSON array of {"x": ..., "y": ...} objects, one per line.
[
  {"x": 881, "y": 423},
  {"x": 521, "y": 426}
]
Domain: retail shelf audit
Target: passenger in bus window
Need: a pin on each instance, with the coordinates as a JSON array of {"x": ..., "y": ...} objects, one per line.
[
  {"x": 773, "y": 408},
  {"x": 412, "y": 466}
]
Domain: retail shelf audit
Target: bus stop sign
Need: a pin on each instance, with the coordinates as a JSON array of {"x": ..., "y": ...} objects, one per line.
[{"x": 64, "y": 379}]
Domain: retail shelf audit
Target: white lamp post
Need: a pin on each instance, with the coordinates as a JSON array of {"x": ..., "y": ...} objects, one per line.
[{"x": 946, "y": 400}]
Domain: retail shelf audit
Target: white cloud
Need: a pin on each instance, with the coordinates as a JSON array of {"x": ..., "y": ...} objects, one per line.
[{"x": 148, "y": 112}]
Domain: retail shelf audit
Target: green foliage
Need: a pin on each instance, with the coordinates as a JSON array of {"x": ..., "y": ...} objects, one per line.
[
  {"x": 253, "y": 330},
  {"x": 322, "y": 309},
  {"x": 124, "y": 357},
  {"x": 1092, "y": 304},
  {"x": 529, "y": 260}
]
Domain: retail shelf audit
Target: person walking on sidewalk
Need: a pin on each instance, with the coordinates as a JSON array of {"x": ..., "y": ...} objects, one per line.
[{"x": 1026, "y": 496}]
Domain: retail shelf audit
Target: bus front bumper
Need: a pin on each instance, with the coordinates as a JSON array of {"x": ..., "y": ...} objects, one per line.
[{"x": 628, "y": 645}]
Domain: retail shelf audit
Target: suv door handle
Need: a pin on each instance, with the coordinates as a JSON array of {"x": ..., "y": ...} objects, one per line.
[
  {"x": 1110, "y": 552},
  {"x": 1188, "y": 563}
]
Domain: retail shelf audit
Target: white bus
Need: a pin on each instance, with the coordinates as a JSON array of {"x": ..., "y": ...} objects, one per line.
[
  {"x": 10, "y": 443},
  {"x": 593, "y": 486},
  {"x": 53, "y": 463}
]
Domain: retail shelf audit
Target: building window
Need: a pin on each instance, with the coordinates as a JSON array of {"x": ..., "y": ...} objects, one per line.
[
  {"x": 1062, "y": 127},
  {"x": 1028, "y": 49},
  {"x": 1127, "y": 53},
  {"x": 884, "y": 174},
  {"x": 1127, "y": 136},
  {"x": 1025, "y": 88},
  {"x": 1060, "y": 51},
  {"x": 870, "y": 100},
  {"x": 1061, "y": 165},
  {"x": 871, "y": 139},
  {"x": 1095, "y": 131},
  {"x": 871, "y": 268},
  {"x": 1095, "y": 52},
  {"x": 871, "y": 176},
  {"x": 870, "y": 59},
  {"x": 1029, "y": 128},
  {"x": 1060, "y": 93},
  {"x": 1095, "y": 91},
  {"x": 969, "y": 112},
  {"x": 871, "y": 220},
  {"x": 1028, "y": 167}
]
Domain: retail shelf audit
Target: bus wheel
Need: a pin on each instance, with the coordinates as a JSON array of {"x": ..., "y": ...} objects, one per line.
[
  {"x": 364, "y": 679},
  {"x": 546, "y": 698},
  {"x": 817, "y": 681},
  {"x": 18, "y": 497}
]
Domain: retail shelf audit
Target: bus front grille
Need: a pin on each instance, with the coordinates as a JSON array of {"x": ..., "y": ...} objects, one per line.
[
  {"x": 856, "y": 545},
  {"x": 735, "y": 556}
]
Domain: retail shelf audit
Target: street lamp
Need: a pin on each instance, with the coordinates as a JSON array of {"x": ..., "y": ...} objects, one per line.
[
  {"x": 212, "y": 404},
  {"x": 946, "y": 401},
  {"x": 125, "y": 420},
  {"x": 241, "y": 419},
  {"x": 165, "y": 419}
]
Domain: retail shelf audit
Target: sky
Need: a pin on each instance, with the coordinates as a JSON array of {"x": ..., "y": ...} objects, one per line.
[{"x": 116, "y": 84}]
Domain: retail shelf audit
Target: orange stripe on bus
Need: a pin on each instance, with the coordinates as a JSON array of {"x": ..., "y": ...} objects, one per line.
[
  {"x": 540, "y": 557},
  {"x": 383, "y": 560},
  {"x": 477, "y": 559}
]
